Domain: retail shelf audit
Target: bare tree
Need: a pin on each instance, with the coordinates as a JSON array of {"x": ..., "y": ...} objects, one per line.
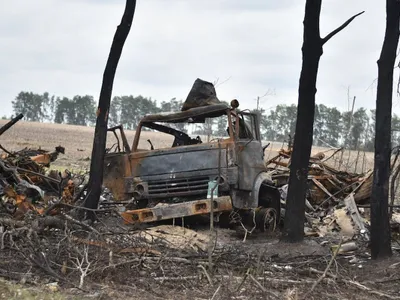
[
  {"x": 269, "y": 92},
  {"x": 312, "y": 51},
  {"x": 380, "y": 229},
  {"x": 100, "y": 134}
]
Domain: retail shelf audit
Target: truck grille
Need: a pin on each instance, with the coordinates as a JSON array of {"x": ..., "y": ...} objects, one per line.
[{"x": 179, "y": 187}]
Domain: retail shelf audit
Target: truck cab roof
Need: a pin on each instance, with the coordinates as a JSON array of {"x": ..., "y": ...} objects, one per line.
[{"x": 193, "y": 115}]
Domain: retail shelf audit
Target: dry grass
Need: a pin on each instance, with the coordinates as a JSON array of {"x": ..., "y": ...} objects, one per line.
[
  {"x": 78, "y": 141},
  {"x": 352, "y": 161}
]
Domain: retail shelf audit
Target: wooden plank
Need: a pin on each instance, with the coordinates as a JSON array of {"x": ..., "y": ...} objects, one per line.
[
  {"x": 355, "y": 215},
  {"x": 320, "y": 185}
]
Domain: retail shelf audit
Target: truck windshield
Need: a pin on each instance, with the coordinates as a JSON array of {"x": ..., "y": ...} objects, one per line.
[
  {"x": 250, "y": 126},
  {"x": 247, "y": 129},
  {"x": 160, "y": 135}
]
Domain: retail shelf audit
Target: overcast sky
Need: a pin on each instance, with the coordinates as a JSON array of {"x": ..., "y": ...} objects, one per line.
[{"x": 251, "y": 46}]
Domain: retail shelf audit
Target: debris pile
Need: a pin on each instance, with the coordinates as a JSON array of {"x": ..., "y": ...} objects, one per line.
[
  {"x": 27, "y": 183},
  {"x": 326, "y": 185},
  {"x": 337, "y": 202}
]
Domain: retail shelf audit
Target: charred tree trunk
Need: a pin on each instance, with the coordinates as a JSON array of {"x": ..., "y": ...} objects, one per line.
[
  {"x": 100, "y": 135},
  {"x": 311, "y": 51},
  {"x": 10, "y": 123},
  {"x": 380, "y": 228}
]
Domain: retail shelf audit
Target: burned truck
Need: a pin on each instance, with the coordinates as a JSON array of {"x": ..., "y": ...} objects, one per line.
[
  {"x": 175, "y": 181},
  {"x": 185, "y": 175}
]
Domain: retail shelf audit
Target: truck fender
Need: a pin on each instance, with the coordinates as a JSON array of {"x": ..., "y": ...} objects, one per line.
[
  {"x": 263, "y": 177},
  {"x": 264, "y": 184},
  {"x": 250, "y": 199}
]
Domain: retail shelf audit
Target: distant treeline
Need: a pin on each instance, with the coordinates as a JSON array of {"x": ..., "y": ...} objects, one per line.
[{"x": 331, "y": 127}]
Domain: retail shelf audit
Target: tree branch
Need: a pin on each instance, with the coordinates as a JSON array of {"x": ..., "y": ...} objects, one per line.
[{"x": 340, "y": 28}]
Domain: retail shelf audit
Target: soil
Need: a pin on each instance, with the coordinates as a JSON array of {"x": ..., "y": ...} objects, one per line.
[{"x": 260, "y": 267}]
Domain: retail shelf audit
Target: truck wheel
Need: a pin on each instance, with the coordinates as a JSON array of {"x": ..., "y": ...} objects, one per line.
[{"x": 266, "y": 219}]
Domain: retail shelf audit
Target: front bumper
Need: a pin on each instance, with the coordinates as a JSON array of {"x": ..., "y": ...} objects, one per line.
[{"x": 176, "y": 210}]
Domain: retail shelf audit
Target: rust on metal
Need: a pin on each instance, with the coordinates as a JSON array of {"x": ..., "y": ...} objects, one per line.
[{"x": 176, "y": 210}]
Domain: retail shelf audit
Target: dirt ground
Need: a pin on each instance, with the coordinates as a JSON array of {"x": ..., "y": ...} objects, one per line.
[{"x": 260, "y": 267}]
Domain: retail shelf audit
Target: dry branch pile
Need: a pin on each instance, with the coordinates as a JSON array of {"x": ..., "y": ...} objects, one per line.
[
  {"x": 337, "y": 201},
  {"x": 27, "y": 184},
  {"x": 326, "y": 185}
]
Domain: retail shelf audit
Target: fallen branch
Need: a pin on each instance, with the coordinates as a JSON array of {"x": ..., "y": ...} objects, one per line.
[
  {"x": 40, "y": 224},
  {"x": 261, "y": 287},
  {"x": 12, "y": 223},
  {"x": 206, "y": 273},
  {"x": 6, "y": 151},
  {"x": 312, "y": 270},
  {"x": 86, "y": 226},
  {"x": 238, "y": 278},
  {"x": 62, "y": 204},
  {"x": 216, "y": 292},
  {"x": 327, "y": 268},
  {"x": 371, "y": 291},
  {"x": 182, "y": 278},
  {"x": 40, "y": 261},
  {"x": 243, "y": 280}
]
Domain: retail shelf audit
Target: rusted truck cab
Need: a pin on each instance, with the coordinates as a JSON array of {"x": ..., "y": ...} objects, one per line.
[{"x": 177, "y": 178}]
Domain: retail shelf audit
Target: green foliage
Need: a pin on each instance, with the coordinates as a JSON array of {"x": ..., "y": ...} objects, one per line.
[
  {"x": 79, "y": 110},
  {"x": 128, "y": 110},
  {"x": 173, "y": 106},
  {"x": 278, "y": 124},
  {"x": 331, "y": 127},
  {"x": 34, "y": 107},
  {"x": 360, "y": 122}
]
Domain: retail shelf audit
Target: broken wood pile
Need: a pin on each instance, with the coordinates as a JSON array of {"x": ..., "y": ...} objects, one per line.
[
  {"x": 332, "y": 197},
  {"x": 326, "y": 185},
  {"x": 27, "y": 183},
  {"x": 337, "y": 202}
]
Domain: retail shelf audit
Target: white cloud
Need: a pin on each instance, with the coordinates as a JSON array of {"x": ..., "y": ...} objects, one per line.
[{"x": 62, "y": 46}]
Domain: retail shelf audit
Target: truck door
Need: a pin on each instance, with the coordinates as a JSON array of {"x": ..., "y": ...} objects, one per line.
[{"x": 249, "y": 149}]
